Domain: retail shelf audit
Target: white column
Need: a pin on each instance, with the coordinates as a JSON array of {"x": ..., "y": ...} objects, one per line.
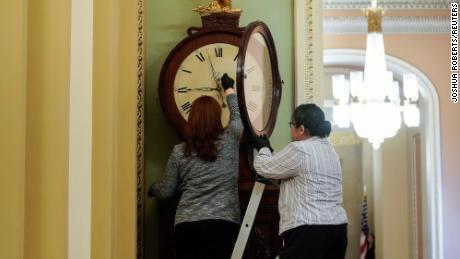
[{"x": 80, "y": 130}]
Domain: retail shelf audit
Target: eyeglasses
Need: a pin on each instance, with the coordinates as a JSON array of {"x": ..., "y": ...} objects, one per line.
[{"x": 292, "y": 124}]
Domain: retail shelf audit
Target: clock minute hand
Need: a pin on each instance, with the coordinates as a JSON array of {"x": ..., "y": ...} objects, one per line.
[
  {"x": 205, "y": 89},
  {"x": 214, "y": 74}
]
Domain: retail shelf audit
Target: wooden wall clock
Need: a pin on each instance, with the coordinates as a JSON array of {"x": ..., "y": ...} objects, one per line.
[{"x": 192, "y": 69}]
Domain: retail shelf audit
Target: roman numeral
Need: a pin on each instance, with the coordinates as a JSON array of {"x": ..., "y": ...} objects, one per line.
[
  {"x": 252, "y": 106},
  {"x": 182, "y": 89},
  {"x": 218, "y": 52},
  {"x": 236, "y": 57},
  {"x": 187, "y": 71},
  {"x": 186, "y": 107},
  {"x": 200, "y": 57}
]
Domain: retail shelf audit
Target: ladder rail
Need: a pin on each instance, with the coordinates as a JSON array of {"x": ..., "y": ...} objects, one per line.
[{"x": 248, "y": 220}]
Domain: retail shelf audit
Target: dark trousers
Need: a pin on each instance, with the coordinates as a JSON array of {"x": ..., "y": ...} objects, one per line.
[
  {"x": 213, "y": 239},
  {"x": 315, "y": 242}
]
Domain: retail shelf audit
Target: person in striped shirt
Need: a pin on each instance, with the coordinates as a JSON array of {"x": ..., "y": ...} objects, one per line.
[{"x": 313, "y": 223}]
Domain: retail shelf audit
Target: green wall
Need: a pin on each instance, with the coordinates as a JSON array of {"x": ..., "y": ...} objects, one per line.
[{"x": 166, "y": 23}]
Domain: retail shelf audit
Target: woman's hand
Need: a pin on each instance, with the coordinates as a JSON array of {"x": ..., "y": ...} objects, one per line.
[{"x": 227, "y": 84}]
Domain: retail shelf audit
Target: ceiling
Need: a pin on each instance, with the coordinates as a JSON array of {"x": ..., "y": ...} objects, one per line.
[
  {"x": 422, "y": 16},
  {"x": 388, "y": 4}
]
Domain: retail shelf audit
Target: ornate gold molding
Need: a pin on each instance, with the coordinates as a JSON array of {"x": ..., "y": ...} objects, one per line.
[
  {"x": 390, "y": 24},
  {"x": 309, "y": 53},
  {"x": 374, "y": 19},
  {"x": 308, "y": 50},
  {"x": 140, "y": 131}
]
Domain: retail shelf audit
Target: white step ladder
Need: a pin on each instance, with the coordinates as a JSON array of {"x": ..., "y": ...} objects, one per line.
[{"x": 248, "y": 219}]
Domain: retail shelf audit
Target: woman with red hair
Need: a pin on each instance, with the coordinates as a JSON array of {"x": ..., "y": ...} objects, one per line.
[{"x": 204, "y": 169}]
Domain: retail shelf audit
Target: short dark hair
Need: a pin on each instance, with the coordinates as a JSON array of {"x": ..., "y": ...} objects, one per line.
[{"x": 312, "y": 118}]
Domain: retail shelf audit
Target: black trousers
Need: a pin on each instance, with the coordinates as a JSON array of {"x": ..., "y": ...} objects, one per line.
[
  {"x": 315, "y": 242},
  {"x": 213, "y": 239}
]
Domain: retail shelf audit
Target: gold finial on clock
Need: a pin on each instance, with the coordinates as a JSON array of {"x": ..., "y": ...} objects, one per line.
[{"x": 217, "y": 6}]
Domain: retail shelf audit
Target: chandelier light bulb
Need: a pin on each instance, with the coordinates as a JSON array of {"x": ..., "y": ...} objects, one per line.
[
  {"x": 411, "y": 115},
  {"x": 410, "y": 87},
  {"x": 341, "y": 115},
  {"x": 341, "y": 88},
  {"x": 356, "y": 83}
]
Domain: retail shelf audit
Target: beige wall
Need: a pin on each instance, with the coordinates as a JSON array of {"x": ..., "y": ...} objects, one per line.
[
  {"x": 34, "y": 132},
  {"x": 351, "y": 159},
  {"x": 37, "y": 96},
  {"x": 394, "y": 206},
  {"x": 47, "y": 129},
  {"x": 429, "y": 53},
  {"x": 12, "y": 126},
  {"x": 113, "y": 232}
]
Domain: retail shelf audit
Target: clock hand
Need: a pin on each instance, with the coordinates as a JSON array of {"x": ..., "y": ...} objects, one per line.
[
  {"x": 205, "y": 89},
  {"x": 214, "y": 74},
  {"x": 217, "y": 80}
]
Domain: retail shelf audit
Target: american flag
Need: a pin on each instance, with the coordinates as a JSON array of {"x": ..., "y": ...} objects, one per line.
[{"x": 364, "y": 244}]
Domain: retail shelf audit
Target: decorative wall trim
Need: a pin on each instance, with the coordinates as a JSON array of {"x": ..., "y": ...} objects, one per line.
[
  {"x": 140, "y": 131},
  {"x": 394, "y": 24},
  {"x": 415, "y": 196},
  {"x": 308, "y": 46},
  {"x": 390, "y": 4},
  {"x": 431, "y": 141}
]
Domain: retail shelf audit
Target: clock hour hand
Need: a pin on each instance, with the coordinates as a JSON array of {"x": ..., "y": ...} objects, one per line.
[
  {"x": 203, "y": 89},
  {"x": 206, "y": 89}
]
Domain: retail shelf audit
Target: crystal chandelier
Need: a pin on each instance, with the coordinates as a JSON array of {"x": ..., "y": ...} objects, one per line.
[{"x": 371, "y": 101}]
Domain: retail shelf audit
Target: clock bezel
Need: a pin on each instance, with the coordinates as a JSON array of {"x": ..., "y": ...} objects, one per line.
[
  {"x": 172, "y": 64},
  {"x": 251, "y": 29}
]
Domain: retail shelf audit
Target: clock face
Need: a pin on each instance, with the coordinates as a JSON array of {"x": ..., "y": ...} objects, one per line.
[
  {"x": 258, "y": 82},
  {"x": 258, "y": 78},
  {"x": 199, "y": 74}
]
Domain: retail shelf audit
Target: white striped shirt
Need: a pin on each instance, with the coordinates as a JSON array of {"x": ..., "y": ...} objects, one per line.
[{"x": 311, "y": 186}]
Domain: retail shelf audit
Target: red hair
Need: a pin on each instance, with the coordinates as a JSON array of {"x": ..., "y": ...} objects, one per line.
[{"x": 204, "y": 128}]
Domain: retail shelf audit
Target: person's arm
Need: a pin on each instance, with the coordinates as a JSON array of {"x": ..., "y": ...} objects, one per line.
[
  {"x": 235, "y": 125},
  {"x": 229, "y": 91},
  {"x": 282, "y": 165},
  {"x": 168, "y": 185}
]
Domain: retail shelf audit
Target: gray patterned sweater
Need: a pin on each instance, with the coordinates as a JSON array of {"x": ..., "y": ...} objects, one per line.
[{"x": 209, "y": 190}]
